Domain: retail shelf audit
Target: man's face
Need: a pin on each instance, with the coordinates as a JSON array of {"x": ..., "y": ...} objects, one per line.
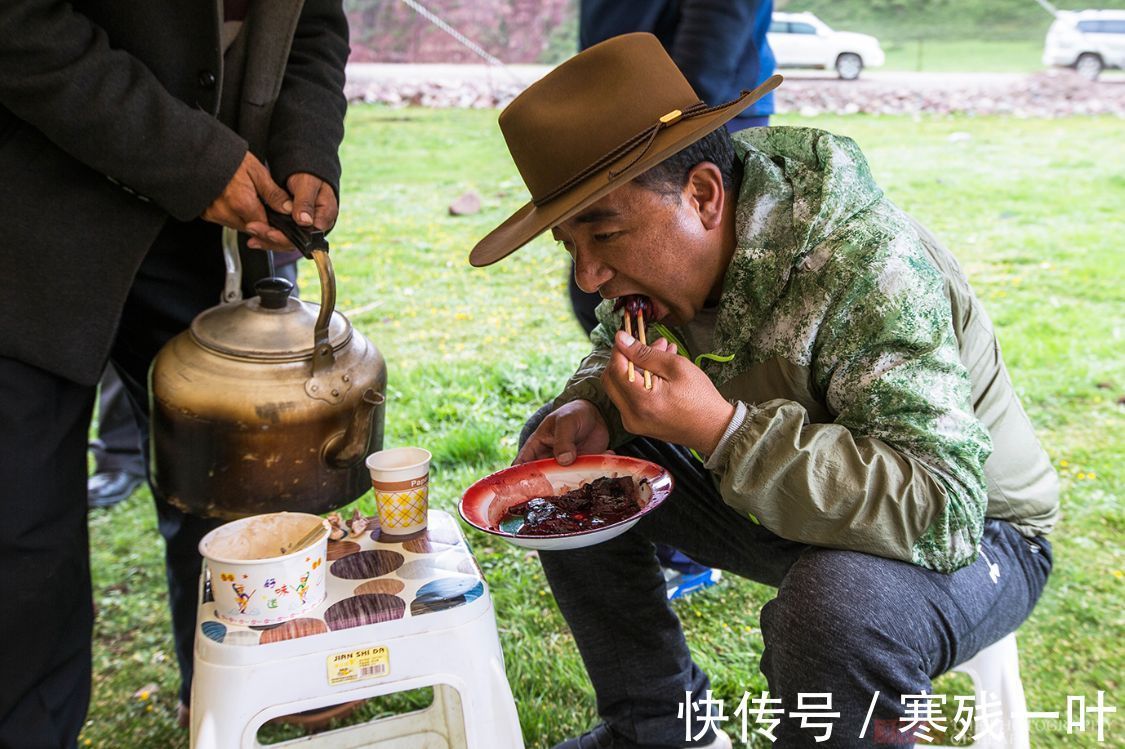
[{"x": 638, "y": 241}]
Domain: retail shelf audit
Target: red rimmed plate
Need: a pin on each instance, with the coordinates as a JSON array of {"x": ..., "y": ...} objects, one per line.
[{"x": 484, "y": 503}]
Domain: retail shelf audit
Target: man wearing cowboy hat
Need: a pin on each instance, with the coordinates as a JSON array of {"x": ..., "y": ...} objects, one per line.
[{"x": 827, "y": 392}]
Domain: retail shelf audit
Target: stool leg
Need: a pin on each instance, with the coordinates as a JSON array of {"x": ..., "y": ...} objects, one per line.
[
  {"x": 995, "y": 673},
  {"x": 448, "y": 704},
  {"x": 1005, "y": 664},
  {"x": 490, "y": 717},
  {"x": 217, "y": 723}
]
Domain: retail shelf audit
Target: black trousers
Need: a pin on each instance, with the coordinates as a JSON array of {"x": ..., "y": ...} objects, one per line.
[
  {"x": 118, "y": 445},
  {"x": 46, "y": 619}
]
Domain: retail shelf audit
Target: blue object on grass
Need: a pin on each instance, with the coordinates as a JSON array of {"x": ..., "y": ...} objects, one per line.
[{"x": 678, "y": 584}]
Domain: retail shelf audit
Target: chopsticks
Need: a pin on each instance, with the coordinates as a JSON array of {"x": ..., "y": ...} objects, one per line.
[
  {"x": 629, "y": 331},
  {"x": 644, "y": 341},
  {"x": 635, "y": 305}
]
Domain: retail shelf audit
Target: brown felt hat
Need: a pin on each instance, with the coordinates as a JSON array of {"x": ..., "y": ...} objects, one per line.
[{"x": 592, "y": 124}]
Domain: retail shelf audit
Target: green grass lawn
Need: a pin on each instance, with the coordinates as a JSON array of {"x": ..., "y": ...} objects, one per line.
[
  {"x": 1032, "y": 209},
  {"x": 963, "y": 55}
]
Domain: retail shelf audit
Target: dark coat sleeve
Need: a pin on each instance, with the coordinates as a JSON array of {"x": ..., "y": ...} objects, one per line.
[
  {"x": 60, "y": 74},
  {"x": 307, "y": 125}
]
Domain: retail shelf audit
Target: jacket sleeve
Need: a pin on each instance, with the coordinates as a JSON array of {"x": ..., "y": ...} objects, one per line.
[
  {"x": 60, "y": 74},
  {"x": 307, "y": 125},
  {"x": 899, "y": 473}
]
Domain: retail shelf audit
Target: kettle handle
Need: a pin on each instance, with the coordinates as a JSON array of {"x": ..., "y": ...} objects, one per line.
[
  {"x": 312, "y": 244},
  {"x": 232, "y": 285},
  {"x": 323, "y": 358},
  {"x": 305, "y": 239}
]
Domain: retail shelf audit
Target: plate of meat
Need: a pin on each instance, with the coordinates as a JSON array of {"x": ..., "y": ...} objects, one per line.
[{"x": 544, "y": 505}]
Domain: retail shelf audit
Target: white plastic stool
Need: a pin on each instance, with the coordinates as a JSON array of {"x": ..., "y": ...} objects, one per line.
[
  {"x": 995, "y": 672},
  {"x": 399, "y": 615}
]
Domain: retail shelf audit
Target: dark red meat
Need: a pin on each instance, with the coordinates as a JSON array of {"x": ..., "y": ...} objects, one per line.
[
  {"x": 603, "y": 501},
  {"x": 634, "y": 303}
]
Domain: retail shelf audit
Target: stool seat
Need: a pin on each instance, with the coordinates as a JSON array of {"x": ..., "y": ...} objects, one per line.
[
  {"x": 999, "y": 705},
  {"x": 400, "y": 613}
]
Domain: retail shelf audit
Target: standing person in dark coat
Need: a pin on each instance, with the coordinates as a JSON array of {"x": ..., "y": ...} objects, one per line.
[
  {"x": 719, "y": 45},
  {"x": 119, "y": 460},
  {"x": 130, "y": 132}
]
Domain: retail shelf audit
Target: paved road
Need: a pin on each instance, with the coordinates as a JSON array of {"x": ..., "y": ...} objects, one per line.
[
  {"x": 371, "y": 73},
  {"x": 360, "y": 73}
]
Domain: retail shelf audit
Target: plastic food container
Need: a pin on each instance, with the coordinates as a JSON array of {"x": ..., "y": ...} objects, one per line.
[{"x": 252, "y": 581}]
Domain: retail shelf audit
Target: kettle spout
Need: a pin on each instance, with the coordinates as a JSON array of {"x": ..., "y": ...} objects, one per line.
[{"x": 364, "y": 433}]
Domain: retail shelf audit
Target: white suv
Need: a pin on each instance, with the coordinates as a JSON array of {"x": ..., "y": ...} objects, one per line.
[
  {"x": 1087, "y": 40},
  {"x": 801, "y": 40}
]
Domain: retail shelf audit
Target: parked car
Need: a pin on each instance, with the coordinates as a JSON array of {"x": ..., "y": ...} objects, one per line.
[
  {"x": 801, "y": 40},
  {"x": 1086, "y": 40}
]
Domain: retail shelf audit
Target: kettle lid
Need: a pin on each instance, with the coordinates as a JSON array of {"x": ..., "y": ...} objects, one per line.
[{"x": 272, "y": 326}]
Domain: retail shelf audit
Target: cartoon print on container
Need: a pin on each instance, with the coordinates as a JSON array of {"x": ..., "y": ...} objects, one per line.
[
  {"x": 243, "y": 596},
  {"x": 303, "y": 586}
]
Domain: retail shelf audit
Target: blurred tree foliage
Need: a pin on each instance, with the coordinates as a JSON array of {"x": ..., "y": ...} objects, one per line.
[
  {"x": 562, "y": 40},
  {"x": 394, "y": 29},
  {"x": 513, "y": 30}
]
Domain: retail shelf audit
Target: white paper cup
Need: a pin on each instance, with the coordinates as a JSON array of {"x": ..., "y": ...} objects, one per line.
[
  {"x": 401, "y": 478},
  {"x": 252, "y": 582}
]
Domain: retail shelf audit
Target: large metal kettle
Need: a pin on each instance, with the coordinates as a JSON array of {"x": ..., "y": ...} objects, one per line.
[{"x": 267, "y": 404}]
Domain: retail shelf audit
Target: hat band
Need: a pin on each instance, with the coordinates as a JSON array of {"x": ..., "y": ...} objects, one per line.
[{"x": 646, "y": 137}]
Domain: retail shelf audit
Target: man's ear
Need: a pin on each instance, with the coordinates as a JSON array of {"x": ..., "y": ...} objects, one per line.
[{"x": 705, "y": 191}]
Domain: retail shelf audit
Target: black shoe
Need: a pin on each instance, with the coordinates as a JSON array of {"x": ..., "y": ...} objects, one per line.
[
  {"x": 601, "y": 737},
  {"x": 107, "y": 489}
]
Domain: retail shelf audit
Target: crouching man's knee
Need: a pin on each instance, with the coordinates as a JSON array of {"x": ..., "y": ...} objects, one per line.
[{"x": 837, "y": 628}]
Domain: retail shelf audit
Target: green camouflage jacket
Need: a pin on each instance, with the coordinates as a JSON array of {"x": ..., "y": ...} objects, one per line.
[{"x": 874, "y": 410}]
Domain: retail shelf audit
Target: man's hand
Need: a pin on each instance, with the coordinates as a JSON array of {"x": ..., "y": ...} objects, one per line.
[
  {"x": 240, "y": 205},
  {"x": 314, "y": 201},
  {"x": 683, "y": 407},
  {"x": 575, "y": 428}
]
